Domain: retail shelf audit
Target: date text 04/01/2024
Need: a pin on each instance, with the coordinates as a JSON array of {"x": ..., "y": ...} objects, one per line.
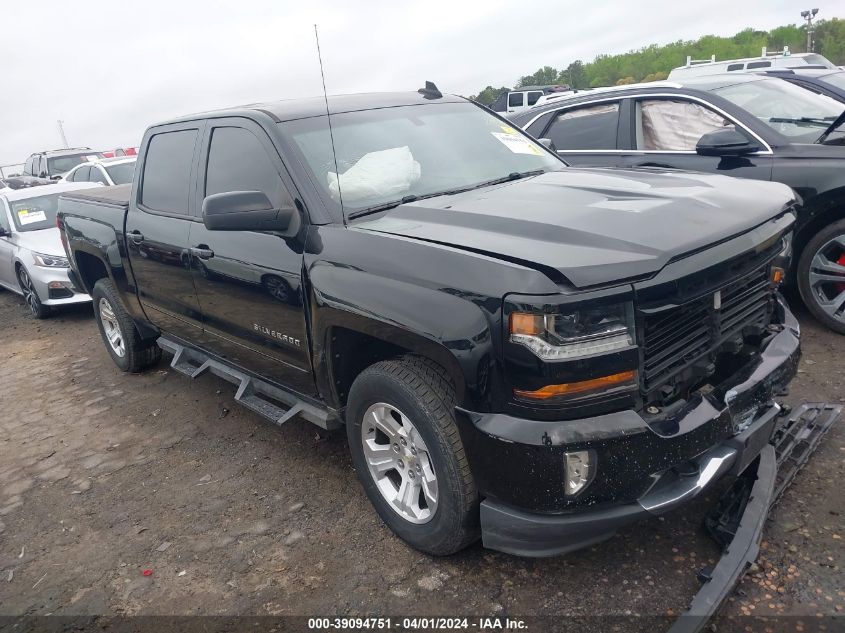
[{"x": 418, "y": 624}]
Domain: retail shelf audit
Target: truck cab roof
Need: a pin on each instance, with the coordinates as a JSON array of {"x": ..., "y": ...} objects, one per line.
[{"x": 292, "y": 109}]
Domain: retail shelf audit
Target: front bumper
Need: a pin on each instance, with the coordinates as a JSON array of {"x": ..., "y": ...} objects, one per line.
[
  {"x": 64, "y": 292},
  {"x": 713, "y": 435}
]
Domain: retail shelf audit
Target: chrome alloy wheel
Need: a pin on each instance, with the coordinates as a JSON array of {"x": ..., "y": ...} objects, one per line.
[
  {"x": 112, "y": 328},
  {"x": 399, "y": 463},
  {"x": 827, "y": 278}
]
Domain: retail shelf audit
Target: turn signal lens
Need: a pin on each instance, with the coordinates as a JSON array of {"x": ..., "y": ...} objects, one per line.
[
  {"x": 777, "y": 275},
  {"x": 526, "y": 324},
  {"x": 605, "y": 383}
]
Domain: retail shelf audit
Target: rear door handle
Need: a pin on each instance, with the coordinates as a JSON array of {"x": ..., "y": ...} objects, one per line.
[
  {"x": 202, "y": 252},
  {"x": 136, "y": 236}
]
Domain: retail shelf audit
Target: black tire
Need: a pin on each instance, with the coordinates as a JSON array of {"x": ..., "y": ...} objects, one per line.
[
  {"x": 422, "y": 391},
  {"x": 138, "y": 354},
  {"x": 30, "y": 295},
  {"x": 809, "y": 295}
]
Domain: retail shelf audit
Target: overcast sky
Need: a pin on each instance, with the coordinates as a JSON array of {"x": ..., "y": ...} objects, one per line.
[{"x": 110, "y": 68}]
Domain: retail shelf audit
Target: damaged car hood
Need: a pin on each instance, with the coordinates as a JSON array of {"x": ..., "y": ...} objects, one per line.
[{"x": 591, "y": 226}]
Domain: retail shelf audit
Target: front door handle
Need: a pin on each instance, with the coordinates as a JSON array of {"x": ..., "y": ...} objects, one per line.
[
  {"x": 202, "y": 252},
  {"x": 136, "y": 236}
]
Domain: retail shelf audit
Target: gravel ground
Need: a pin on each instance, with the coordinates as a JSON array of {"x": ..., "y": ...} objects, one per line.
[{"x": 104, "y": 475}]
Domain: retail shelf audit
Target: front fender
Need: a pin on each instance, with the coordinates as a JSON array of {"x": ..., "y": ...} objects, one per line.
[{"x": 447, "y": 328}]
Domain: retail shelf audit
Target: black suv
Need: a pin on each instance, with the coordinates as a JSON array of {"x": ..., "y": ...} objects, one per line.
[
  {"x": 55, "y": 163},
  {"x": 749, "y": 126}
]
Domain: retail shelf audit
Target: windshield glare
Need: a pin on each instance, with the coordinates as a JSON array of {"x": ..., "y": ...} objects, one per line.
[
  {"x": 386, "y": 154},
  {"x": 121, "y": 174},
  {"x": 796, "y": 113},
  {"x": 34, "y": 214}
]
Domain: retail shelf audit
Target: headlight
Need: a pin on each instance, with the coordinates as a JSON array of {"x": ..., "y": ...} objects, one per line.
[
  {"x": 574, "y": 334},
  {"x": 50, "y": 261},
  {"x": 780, "y": 264}
]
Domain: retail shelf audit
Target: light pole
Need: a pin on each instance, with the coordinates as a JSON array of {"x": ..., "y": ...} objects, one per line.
[
  {"x": 808, "y": 15},
  {"x": 62, "y": 133}
]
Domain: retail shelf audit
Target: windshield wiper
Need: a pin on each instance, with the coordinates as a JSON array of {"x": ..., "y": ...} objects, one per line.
[
  {"x": 515, "y": 175},
  {"x": 836, "y": 123},
  {"x": 382, "y": 207},
  {"x": 804, "y": 119}
]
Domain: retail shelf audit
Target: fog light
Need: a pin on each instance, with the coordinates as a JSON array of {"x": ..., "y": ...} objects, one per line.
[
  {"x": 55, "y": 285},
  {"x": 580, "y": 468}
]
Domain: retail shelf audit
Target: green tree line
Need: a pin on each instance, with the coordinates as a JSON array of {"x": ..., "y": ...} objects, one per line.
[{"x": 653, "y": 63}]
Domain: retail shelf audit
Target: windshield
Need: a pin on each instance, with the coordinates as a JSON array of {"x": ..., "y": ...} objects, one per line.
[
  {"x": 798, "y": 114},
  {"x": 387, "y": 154},
  {"x": 811, "y": 60},
  {"x": 121, "y": 174},
  {"x": 835, "y": 79},
  {"x": 34, "y": 214},
  {"x": 63, "y": 164}
]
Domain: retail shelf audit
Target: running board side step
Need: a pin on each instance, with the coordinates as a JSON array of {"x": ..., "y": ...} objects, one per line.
[{"x": 268, "y": 401}]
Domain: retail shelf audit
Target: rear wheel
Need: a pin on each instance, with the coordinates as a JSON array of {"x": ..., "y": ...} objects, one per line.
[
  {"x": 409, "y": 456},
  {"x": 30, "y": 295},
  {"x": 821, "y": 276},
  {"x": 126, "y": 347}
]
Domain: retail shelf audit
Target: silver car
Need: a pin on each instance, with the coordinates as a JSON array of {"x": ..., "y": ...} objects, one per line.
[{"x": 32, "y": 258}]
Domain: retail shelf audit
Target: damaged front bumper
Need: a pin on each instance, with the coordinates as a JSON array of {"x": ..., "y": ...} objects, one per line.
[{"x": 658, "y": 467}]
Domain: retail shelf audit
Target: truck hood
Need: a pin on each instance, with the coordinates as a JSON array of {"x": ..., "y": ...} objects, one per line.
[
  {"x": 45, "y": 241},
  {"x": 592, "y": 226}
]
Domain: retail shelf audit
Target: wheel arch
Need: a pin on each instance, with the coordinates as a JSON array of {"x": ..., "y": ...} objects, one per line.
[
  {"x": 349, "y": 350},
  {"x": 91, "y": 269},
  {"x": 821, "y": 213}
]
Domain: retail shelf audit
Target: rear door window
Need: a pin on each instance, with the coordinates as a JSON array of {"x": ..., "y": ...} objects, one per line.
[
  {"x": 166, "y": 179},
  {"x": 83, "y": 174},
  {"x": 515, "y": 99},
  {"x": 592, "y": 127},
  {"x": 97, "y": 175},
  {"x": 533, "y": 96}
]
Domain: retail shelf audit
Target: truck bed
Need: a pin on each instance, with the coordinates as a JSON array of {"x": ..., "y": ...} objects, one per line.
[{"x": 116, "y": 196}]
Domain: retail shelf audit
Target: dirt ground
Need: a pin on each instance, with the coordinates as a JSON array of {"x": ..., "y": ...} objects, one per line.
[{"x": 104, "y": 475}]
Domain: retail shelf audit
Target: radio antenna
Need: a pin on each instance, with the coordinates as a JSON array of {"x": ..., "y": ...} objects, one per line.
[{"x": 329, "y": 118}]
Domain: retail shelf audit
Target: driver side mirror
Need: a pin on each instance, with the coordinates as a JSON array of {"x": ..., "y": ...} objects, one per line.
[
  {"x": 726, "y": 142},
  {"x": 4, "y": 232},
  {"x": 244, "y": 211},
  {"x": 547, "y": 143}
]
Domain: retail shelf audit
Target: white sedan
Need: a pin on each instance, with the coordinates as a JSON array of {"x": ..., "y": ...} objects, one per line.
[
  {"x": 33, "y": 262},
  {"x": 104, "y": 171}
]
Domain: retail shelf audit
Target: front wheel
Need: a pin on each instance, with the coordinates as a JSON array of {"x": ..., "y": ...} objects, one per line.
[
  {"x": 30, "y": 295},
  {"x": 409, "y": 456},
  {"x": 821, "y": 276},
  {"x": 125, "y": 346}
]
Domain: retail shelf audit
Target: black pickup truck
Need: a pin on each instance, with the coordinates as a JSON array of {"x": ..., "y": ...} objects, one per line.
[{"x": 521, "y": 351}]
